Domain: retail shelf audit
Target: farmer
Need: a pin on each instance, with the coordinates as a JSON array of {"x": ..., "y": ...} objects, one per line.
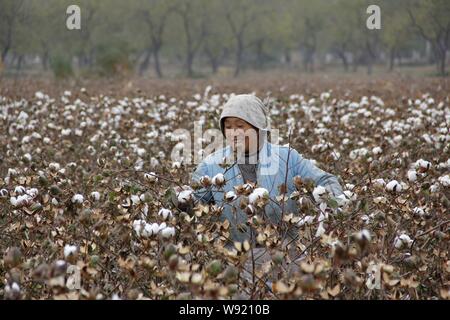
[{"x": 245, "y": 125}]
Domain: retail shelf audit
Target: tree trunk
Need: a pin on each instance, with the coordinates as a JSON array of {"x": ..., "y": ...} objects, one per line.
[
  {"x": 213, "y": 60},
  {"x": 287, "y": 56},
  {"x": 391, "y": 59},
  {"x": 239, "y": 52},
  {"x": 19, "y": 63},
  {"x": 146, "y": 62},
  {"x": 189, "y": 63},
  {"x": 344, "y": 60},
  {"x": 157, "y": 63}
]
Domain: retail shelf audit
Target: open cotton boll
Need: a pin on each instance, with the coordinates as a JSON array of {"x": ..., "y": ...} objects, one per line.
[
  {"x": 379, "y": 182},
  {"x": 77, "y": 198},
  {"x": 95, "y": 196},
  {"x": 4, "y": 193},
  {"x": 151, "y": 177},
  {"x": 185, "y": 196},
  {"x": 69, "y": 250},
  {"x": 318, "y": 193},
  {"x": 135, "y": 199},
  {"x": 168, "y": 232},
  {"x": 33, "y": 192},
  {"x": 320, "y": 230},
  {"x": 444, "y": 180},
  {"x": 147, "y": 232},
  {"x": 138, "y": 226},
  {"x": 305, "y": 220},
  {"x": 218, "y": 180},
  {"x": 422, "y": 164},
  {"x": 230, "y": 196},
  {"x": 377, "y": 150},
  {"x": 165, "y": 213},
  {"x": 412, "y": 175},
  {"x": 155, "y": 228},
  {"x": 258, "y": 194},
  {"x": 363, "y": 234},
  {"x": 19, "y": 190},
  {"x": 394, "y": 186},
  {"x": 402, "y": 240}
]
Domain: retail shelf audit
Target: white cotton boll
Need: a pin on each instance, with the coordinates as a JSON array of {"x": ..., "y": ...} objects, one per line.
[
  {"x": 185, "y": 196},
  {"x": 69, "y": 250},
  {"x": 230, "y": 196},
  {"x": 402, "y": 240},
  {"x": 218, "y": 180},
  {"x": 27, "y": 157},
  {"x": 141, "y": 152},
  {"x": 176, "y": 165},
  {"x": 95, "y": 196},
  {"x": 14, "y": 202},
  {"x": 165, "y": 213},
  {"x": 4, "y": 193},
  {"x": 147, "y": 231},
  {"x": 434, "y": 188},
  {"x": 350, "y": 195},
  {"x": 305, "y": 220},
  {"x": 12, "y": 172},
  {"x": 320, "y": 230},
  {"x": 323, "y": 206},
  {"x": 66, "y": 132},
  {"x": 379, "y": 182},
  {"x": 394, "y": 186},
  {"x": 168, "y": 232},
  {"x": 363, "y": 234},
  {"x": 55, "y": 202},
  {"x": 39, "y": 95},
  {"x": 444, "y": 180},
  {"x": 162, "y": 226},
  {"x": 377, "y": 150},
  {"x": 318, "y": 193},
  {"x": 135, "y": 199},
  {"x": 138, "y": 226},
  {"x": 380, "y": 200},
  {"x": 33, "y": 192},
  {"x": 54, "y": 166},
  {"x": 349, "y": 186},
  {"x": 77, "y": 198},
  {"x": 342, "y": 200},
  {"x": 419, "y": 211},
  {"x": 258, "y": 194},
  {"x": 19, "y": 190},
  {"x": 412, "y": 175},
  {"x": 151, "y": 176},
  {"x": 422, "y": 164},
  {"x": 155, "y": 228}
]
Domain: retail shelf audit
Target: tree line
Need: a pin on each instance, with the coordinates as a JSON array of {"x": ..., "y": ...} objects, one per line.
[{"x": 193, "y": 36}]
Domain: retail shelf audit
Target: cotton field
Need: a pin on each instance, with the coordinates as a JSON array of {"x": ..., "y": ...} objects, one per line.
[{"x": 93, "y": 205}]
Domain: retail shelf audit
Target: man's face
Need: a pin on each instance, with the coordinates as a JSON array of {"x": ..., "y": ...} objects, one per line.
[{"x": 237, "y": 131}]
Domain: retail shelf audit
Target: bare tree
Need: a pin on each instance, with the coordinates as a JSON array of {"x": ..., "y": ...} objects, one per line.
[
  {"x": 432, "y": 22},
  {"x": 10, "y": 14},
  {"x": 193, "y": 18}
]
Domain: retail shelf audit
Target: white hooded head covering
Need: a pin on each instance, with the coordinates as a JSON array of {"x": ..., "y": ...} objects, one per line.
[{"x": 248, "y": 108}]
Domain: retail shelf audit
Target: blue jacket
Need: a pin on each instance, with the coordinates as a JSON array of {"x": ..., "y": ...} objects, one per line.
[{"x": 274, "y": 163}]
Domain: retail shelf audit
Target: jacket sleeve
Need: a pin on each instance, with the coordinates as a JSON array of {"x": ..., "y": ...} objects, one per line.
[
  {"x": 307, "y": 170},
  {"x": 204, "y": 194}
]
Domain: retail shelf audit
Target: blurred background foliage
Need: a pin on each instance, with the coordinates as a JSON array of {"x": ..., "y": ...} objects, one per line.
[{"x": 199, "y": 38}]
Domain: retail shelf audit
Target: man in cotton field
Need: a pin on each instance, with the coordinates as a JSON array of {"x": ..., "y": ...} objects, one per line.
[{"x": 258, "y": 169}]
